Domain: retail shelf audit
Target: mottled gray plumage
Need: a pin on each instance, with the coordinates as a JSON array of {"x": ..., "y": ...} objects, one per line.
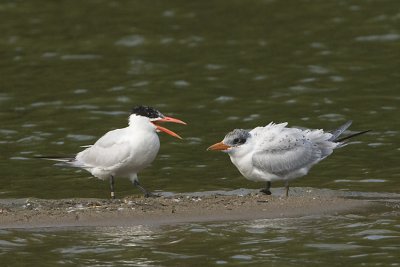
[
  {"x": 278, "y": 153},
  {"x": 236, "y": 137}
]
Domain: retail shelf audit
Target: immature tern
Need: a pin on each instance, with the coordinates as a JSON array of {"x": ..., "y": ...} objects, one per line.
[
  {"x": 125, "y": 152},
  {"x": 278, "y": 153}
]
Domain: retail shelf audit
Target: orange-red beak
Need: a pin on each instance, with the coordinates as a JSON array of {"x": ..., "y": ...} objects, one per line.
[
  {"x": 170, "y": 119},
  {"x": 165, "y": 130},
  {"x": 219, "y": 146}
]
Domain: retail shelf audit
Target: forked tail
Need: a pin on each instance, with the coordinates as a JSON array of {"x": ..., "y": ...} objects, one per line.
[
  {"x": 351, "y": 136},
  {"x": 336, "y": 133}
]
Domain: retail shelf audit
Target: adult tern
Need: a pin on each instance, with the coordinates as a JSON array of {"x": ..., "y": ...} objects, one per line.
[
  {"x": 278, "y": 153},
  {"x": 125, "y": 152}
]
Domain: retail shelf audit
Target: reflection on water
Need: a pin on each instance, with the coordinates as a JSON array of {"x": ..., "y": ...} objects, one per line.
[{"x": 362, "y": 239}]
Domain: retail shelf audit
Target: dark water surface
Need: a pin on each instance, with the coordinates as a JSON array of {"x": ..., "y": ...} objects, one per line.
[
  {"x": 342, "y": 240},
  {"x": 71, "y": 70}
]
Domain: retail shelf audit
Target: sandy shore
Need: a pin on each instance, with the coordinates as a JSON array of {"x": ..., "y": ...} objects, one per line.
[{"x": 171, "y": 208}]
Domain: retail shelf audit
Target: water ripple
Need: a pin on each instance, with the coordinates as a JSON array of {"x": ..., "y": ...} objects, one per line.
[
  {"x": 332, "y": 117},
  {"x": 224, "y": 99},
  {"x": 4, "y": 97},
  {"x": 131, "y": 41},
  {"x": 7, "y": 132},
  {"x": 379, "y": 38},
  {"x": 81, "y": 107},
  {"x": 80, "y": 137},
  {"x": 181, "y": 83},
  {"x": 80, "y": 57},
  {"x": 109, "y": 113},
  {"x": 329, "y": 246},
  {"x": 318, "y": 69},
  {"x": 45, "y": 104}
]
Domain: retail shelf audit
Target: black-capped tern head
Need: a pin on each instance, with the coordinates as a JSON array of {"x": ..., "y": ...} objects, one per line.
[{"x": 156, "y": 117}]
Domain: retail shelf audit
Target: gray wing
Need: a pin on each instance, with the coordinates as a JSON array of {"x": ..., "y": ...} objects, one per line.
[
  {"x": 106, "y": 157},
  {"x": 110, "y": 150},
  {"x": 111, "y": 138},
  {"x": 285, "y": 155}
]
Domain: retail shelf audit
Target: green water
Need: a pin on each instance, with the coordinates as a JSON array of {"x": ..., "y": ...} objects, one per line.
[{"x": 71, "y": 70}]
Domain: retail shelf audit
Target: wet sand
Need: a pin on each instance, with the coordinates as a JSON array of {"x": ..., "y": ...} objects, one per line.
[{"x": 170, "y": 208}]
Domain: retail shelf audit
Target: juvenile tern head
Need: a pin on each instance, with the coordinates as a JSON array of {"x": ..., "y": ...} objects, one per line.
[{"x": 232, "y": 140}]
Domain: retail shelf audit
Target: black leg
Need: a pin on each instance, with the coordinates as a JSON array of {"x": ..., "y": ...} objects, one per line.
[
  {"x": 112, "y": 187},
  {"x": 144, "y": 191},
  {"x": 287, "y": 188},
  {"x": 266, "y": 190}
]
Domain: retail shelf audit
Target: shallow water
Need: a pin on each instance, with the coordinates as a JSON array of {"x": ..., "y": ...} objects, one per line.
[
  {"x": 351, "y": 240},
  {"x": 71, "y": 72}
]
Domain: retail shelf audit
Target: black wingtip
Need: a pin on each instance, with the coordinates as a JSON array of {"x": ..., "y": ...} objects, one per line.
[{"x": 352, "y": 135}]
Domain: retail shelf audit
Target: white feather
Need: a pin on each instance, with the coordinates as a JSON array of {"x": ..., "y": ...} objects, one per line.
[
  {"x": 121, "y": 152},
  {"x": 275, "y": 152}
]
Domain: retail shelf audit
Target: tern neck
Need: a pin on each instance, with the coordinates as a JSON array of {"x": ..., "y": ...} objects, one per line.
[
  {"x": 142, "y": 122},
  {"x": 242, "y": 150}
]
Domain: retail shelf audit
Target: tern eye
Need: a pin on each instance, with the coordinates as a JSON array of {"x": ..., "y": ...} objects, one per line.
[{"x": 237, "y": 141}]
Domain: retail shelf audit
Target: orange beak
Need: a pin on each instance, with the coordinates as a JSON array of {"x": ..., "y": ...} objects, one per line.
[
  {"x": 170, "y": 119},
  {"x": 165, "y": 130},
  {"x": 219, "y": 146}
]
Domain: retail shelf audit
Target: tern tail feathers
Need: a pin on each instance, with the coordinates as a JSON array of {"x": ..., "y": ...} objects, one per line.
[
  {"x": 336, "y": 133},
  {"x": 351, "y": 136},
  {"x": 66, "y": 160}
]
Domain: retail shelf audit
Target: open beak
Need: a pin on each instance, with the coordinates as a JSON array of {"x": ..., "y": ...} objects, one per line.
[
  {"x": 170, "y": 119},
  {"x": 219, "y": 146},
  {"x": 165, "y": 130}
]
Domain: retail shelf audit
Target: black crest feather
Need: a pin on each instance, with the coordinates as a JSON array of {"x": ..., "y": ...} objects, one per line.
[{"x": 147, "y": 111}]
